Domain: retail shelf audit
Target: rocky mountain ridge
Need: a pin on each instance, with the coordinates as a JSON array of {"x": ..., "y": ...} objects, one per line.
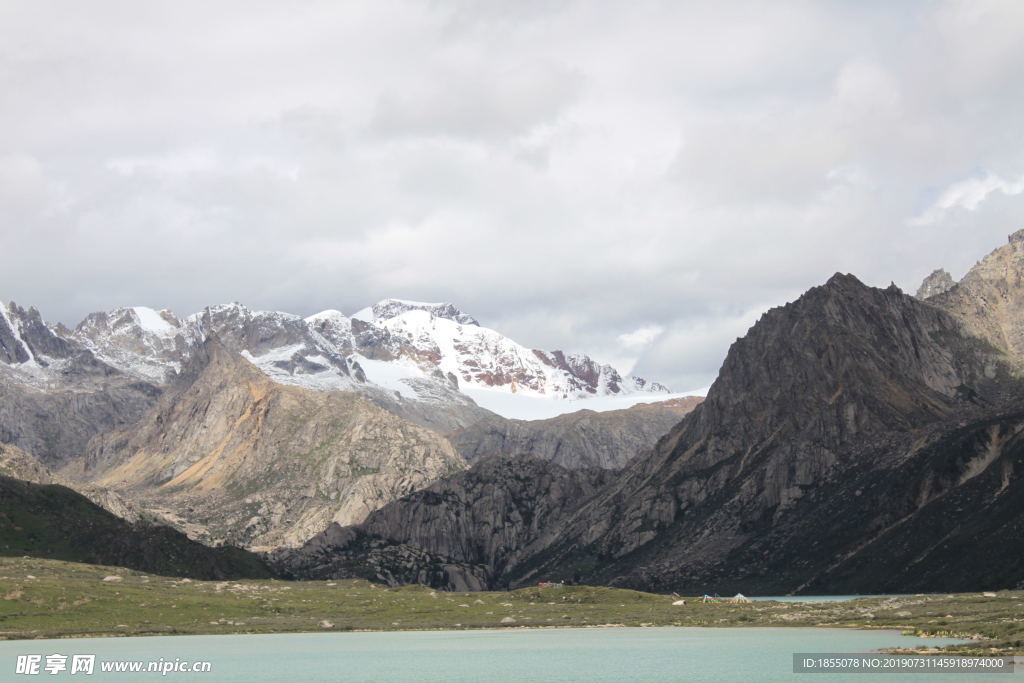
[
  {"x": 939, "y": 282},
  {"x": 579, "y": 440},
  {"x": 429, "y": 357},
  {"x": 232, "y": 456},
  {"x": 132, "y": 400},
  {"x": 55, "y": 395},
  {"x": 462, "y": 533},
  {"x": 856, "y": 440},
  {"x": 990, "y": 299}
]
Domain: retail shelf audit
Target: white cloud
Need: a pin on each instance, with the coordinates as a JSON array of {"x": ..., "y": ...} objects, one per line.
[
  {"x": 967, "y": 194},
  {"x": 641, "y": 337}
]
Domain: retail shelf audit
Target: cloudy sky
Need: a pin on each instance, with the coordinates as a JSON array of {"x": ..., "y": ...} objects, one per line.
[{"x": 638, "y": 180}]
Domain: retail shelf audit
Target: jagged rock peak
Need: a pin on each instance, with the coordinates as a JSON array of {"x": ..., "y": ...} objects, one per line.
[
  {"x": 990, "y": 298},
  {"x": 125, "y": 320},
  {"x": 840, "y": 280},
  {"x": 25, "y": 337},
  {"x": 391, "y": 308},
  {"x": 938, "y": 282},
  {"x": 235, "y": 309}
]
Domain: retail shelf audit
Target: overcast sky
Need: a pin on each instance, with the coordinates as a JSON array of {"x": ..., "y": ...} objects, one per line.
[{"x": 636, "y": 180}]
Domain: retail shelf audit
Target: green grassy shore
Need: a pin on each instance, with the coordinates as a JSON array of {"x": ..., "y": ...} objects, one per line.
[{"x": 54, "y": 599}]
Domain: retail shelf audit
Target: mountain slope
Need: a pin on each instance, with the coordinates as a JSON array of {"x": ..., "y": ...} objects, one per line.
[
  {"x": 54, "y": 522},
  {"x": 577, "y": 440},
  {"x": 17, "y": 464},
  {"x": 54, "y": 395},
  {"x": 427, "y": 363},
  {"x": 462, "y": 533},
  {"x": 396, "y": 352},
  {"x": 990, "y": 299},
  {"x": 238, "y": 457},
  {"x": 849, "y": 422},
  {"x": 847, "y": 382},
  {"x": 479, "y": 357}
]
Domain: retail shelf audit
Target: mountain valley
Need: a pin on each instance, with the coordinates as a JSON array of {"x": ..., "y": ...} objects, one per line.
[{"x": 856, "y": 440}]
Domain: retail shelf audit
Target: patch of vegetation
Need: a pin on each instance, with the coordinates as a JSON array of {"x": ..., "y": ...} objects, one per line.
[
  {"x": 55, "y": 522},
  {"x": 49, "y": 598}
]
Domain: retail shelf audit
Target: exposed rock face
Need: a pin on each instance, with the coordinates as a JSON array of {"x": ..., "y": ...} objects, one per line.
[
  {"x": 206, "y": 459},
  {"x": 348, "y": 552},
  {"x": 577, "y": 440},
  {"x": 848, "y": 425},
  {"x": 500, "y": 506},
  {"x": 844, "y": 383},
  {"x": 25, "y": 338},
  {"x": 17, "y": 464},
  {"x": 60, "y": 388},
  {"x": 55, "y": 522},
  {"x": 56, "y": 425},
  {"x": 947, "y": 518},
  {"x": 937, "y": 283},
  {"x": 462, "y": 533},
  {"x": 990, "y": 299},
  {"x": 232, "y": 455},
  {"x": 391, "y": 308},
  {"x": 146, "y": 343},
  {"x": 55, "y": 395}
]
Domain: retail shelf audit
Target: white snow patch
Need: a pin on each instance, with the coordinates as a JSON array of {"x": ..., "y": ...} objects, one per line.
[
  {"x": 273, "y": 355},
  {"x": 151, "y": 321},
  {"x": 364, "y": 314},
  {"x": 330, "y": 314},
  {"x": 327, "y": 380},
  {"x": 391, "y": 375}
]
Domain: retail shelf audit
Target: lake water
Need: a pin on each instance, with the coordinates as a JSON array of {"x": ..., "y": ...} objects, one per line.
[{"x": 595, "y": 654}]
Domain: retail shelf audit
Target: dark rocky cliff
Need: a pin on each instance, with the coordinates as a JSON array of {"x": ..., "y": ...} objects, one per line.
[
  {"x": 825, "y": 394},
  {"x": 850, "y": 427},
  {"x": 464, "y": 532}
]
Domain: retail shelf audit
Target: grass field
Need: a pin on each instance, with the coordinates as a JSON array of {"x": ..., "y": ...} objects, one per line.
[{"x": 52, "y": 599}]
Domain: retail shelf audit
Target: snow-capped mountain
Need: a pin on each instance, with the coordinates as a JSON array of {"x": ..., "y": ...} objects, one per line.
[
  {"x": 395, "y": 351},
  {"x": 34, "y": 354},
  {"x": 137, "y": 340},
  {"x": 488, "y": 366}
]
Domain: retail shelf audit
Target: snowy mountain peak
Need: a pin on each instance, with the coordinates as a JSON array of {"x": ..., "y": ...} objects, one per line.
[
  {"x": 26, "y": 338},
  {"x": 397, "y": 352},
  {"x": 138, "y": 340},
  {"x": 14, "y": 348},
  {"x": 235, "y": 309},
  {"x": 392, "y": 308},
  {"x": 328, "y": 315},
  {"x": 334, "y": 326}
]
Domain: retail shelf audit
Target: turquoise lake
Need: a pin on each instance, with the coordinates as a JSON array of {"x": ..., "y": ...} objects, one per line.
[{"x": 581, "y": 654}]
